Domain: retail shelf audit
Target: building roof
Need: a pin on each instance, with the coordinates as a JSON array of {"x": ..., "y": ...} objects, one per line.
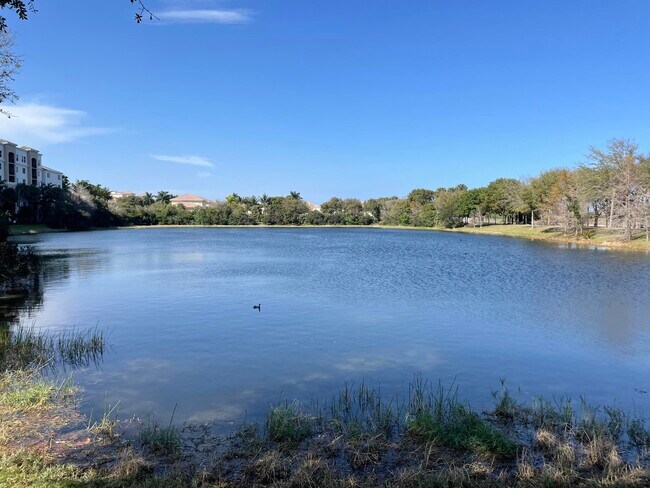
[
  {"x": 188, "y": 197},
  {"x": 312, "y": 206},
  {"x": 46, "y": 168}
]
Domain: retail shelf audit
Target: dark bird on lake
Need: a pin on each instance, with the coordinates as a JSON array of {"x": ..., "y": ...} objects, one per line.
[{"x": 257, "y": 307}]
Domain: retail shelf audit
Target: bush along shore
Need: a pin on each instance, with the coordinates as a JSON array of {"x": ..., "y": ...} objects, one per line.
[
  {"x": 608, "y": 195},
  {"x": 359, "y": 438}
]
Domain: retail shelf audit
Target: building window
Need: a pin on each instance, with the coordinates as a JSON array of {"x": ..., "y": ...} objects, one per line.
[
  {"x": 48, "y": 174},
  {"x": 23, "y": 170},
  {"x": 58, "y": 177},
  {"x": 12, "y": 167}
]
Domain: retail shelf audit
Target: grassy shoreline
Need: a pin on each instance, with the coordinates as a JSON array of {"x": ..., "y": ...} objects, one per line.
[
  {"x": 599, "y": 237},
  {"x": 358, "y": 439},
  {"x": 29, "y": 229}
]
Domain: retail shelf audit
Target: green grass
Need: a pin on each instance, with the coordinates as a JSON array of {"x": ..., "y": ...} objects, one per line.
[
  {"x": 22, "y": 229},
  {"x": 158, "y": 439},
  {"x": 439, "y": 417},
  {"x": 25, "y": 395},
  {"x": 638, "y": 433},
  {"x": 287, "y": 424},
  {"x": 106, "y": 424},
  {"x": 433, "y": 440},
  {"x": 591, "y": 236},
  {"x": 25, "y": 470},
  {"x": 31, "y": 470},
  {"x": 356, "y": 411},
  {"x": 460, "y": 428}
]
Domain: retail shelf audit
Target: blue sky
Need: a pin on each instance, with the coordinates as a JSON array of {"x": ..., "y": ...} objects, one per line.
[{"x": 360, "y": 98}]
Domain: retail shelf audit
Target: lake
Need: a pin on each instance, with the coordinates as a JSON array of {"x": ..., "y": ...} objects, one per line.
[{"x": 343, "y": 305}]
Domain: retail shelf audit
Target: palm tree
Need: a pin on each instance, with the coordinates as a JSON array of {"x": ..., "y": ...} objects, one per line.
[
  {"x": 294, "y": 195},
  {"x": 234, "y": 198},
  {"x": 163, "y": 196},
  {"x": 147, "y": 199},
  {"x": 250, "y": 201},
  {"x": 265, "y": 200}
]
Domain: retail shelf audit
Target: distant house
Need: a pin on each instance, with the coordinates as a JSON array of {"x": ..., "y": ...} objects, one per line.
[
  {"x": 121, "y": 194},
  {"x": 190, "y": 201},
  {"x": 312, "y": 206}
]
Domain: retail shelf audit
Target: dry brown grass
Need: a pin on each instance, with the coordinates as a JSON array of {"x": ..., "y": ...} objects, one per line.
[
  {"x": 558, "y": 451},
  {"x": 131, "y": 464},
  {"x": 366, "y": 450}
]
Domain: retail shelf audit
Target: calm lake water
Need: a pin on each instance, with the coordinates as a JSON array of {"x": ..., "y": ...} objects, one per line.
[{"x": 343, "y": 305}]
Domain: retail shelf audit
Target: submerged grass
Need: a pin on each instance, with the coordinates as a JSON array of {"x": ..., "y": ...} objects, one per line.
[
  {"x": 106, "y": 424},
  {"x": 358, "y": 440},
  {"x": 159, "y": 439},
  {"x": 363, "y": 410},
  {"x": 25, "y": 347},
  {"x": 439, "y": 417},
  {"x": 287, "y": 424}
]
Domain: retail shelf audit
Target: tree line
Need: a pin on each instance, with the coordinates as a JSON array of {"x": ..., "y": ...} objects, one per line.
[{"x": 611, "y": 189}]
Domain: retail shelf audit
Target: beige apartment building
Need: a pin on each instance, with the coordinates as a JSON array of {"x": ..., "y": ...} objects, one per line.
[{"x": 24, "y": 165}]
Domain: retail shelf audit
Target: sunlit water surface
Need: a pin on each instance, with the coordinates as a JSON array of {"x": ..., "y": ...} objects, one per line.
[{"x": 343, "y": 305}]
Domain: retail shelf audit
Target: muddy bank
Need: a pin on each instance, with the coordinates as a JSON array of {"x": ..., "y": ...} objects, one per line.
[{"x": 433, "y": 439}]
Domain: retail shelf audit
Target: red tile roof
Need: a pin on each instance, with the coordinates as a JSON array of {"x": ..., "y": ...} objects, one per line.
[{"x": 188, "y": 197}]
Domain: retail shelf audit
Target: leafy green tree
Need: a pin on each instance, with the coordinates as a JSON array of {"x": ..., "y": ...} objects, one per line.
[
  {"x": 471, "y": 204},
  {"x": 399, "y": 212},
  {"x": 332, "y": 211},
  {"x": 421, "y": 196},
  {"x": 314, "y": 217},
  {"x": 4, "y": 226},
  {"x": 28, "y": 198},
  {"x": 428, "y": 216},
  {"x": 373, "y": 207},
  {"x": 448, "y": 207},
  {"x": 8, "y": 199},
  {"x": 540, "y": 188},
  {"x": 503, "y": 198}
]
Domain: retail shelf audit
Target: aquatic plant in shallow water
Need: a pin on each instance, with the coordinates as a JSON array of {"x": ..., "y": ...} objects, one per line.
[
  {"x": 159, "y": 439},
  {"x": 287, "y": 424},
  {"x": 24, "y": 347},
  {"x": 439, "y": 417}
]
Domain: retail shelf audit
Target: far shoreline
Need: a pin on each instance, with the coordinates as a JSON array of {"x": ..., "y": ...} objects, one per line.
[
  {"x": 533, "y": 234},
  {"x": 540, "y": 233}
]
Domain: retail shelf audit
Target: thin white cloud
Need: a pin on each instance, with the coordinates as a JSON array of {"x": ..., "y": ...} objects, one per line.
[
  {"x": 204, "y": 174},
  {"x": 206, "y": 16},
  {"x": 38, "y": 123},
  {"x": 191, "y": 160}
]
